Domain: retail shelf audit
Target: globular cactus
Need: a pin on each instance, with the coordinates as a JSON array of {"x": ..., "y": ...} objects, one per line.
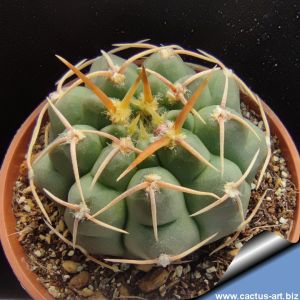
[{"x": 153, "y": 159}]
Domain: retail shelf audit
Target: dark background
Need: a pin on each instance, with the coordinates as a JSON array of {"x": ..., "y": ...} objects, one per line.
[{"x": 258, "y": 39}]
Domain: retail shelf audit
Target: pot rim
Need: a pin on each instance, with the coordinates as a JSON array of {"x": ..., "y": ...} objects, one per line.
[{"x": 10, "y": 170}]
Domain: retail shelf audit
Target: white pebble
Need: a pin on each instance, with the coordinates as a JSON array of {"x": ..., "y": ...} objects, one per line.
[
  {"x": 27, "y": 208},
  {"x": 283, "y": 183},
  {"x": 66, "y": 277},
  {"x": 282, "y": 220},
  {"x": 21, "y": 200},
  {"x": 211, "y": 270},
  {"x": 38, "y": 253},
  {"x": 178, "y": 271},
  {"x": 238, "y": 245}
]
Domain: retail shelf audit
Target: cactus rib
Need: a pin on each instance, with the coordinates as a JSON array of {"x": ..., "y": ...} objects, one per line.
[
  {"x": 164, "y": 259},
  {"x": 242, "y": 225},
  {"x": 82, "y": 212},
  {"x": 231, "y": 190}
]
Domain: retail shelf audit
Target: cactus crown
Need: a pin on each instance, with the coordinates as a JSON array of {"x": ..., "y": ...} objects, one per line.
[{"x": 151, "y": 161}]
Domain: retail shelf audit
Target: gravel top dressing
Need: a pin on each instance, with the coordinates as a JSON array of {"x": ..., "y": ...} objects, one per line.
[{"x": 68, "y": 274}]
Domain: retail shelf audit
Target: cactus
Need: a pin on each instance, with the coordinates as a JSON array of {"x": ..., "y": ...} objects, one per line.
[{"x": 150, "y": 161}]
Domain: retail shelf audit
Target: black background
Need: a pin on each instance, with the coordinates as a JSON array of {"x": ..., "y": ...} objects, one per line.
[{"x": 258, "y": 39}]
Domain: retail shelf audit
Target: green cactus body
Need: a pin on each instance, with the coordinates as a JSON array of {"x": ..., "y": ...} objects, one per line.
[
  {"x": 96, "y": 198},
  {"x": 216, "y": 87},
  {"x": 46, "y": 176},
  {"x": 118, "y": 164},
  {"x": 216, "y": 220},
  {"x": 88, "y": 150},
  {"x": 166, "y": 200},
  {"x": 168, "y": 64},
  {"x": 81, "y": 107},
  {"x": 241, "y": 143},
  {"x": 177, "y": 160},
  {"x": 132, "y": 183},
  {"x": 205, "y": 98},
  {"x": 142, "y": 244}
]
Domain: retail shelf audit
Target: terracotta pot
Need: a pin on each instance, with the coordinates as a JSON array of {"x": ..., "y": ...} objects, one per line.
[{"x": 9, "y": 174}]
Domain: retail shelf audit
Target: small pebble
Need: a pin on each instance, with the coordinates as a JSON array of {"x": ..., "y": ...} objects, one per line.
[
  {"x": 187, "y": 269},
  {"x": 80, "y": 280},
  {"x": 86, "y": 292},
  {"x": 53, "y": 291},
  {"x": 70, "y": 266},
  {"x": 42, "y": 237},
  {"x": 282, "y": 220},
  {"x": 27, "y": 208},
  {"x": 21, "y": 200},
  {"x": 66, "y": 277},
  {"x": 39, "y": 252},
  {"x": 153, "y": 280},
  {"x": 238, "y": 245},
  {"x": 284, "y": 174},
  {"x": 48, "y": 239},
  {"x": 71, "y": 253},
  {"x": 211, "y": 270},
  {"x": 178, "y": 271},
  {"x": 234, "y": 252}
]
